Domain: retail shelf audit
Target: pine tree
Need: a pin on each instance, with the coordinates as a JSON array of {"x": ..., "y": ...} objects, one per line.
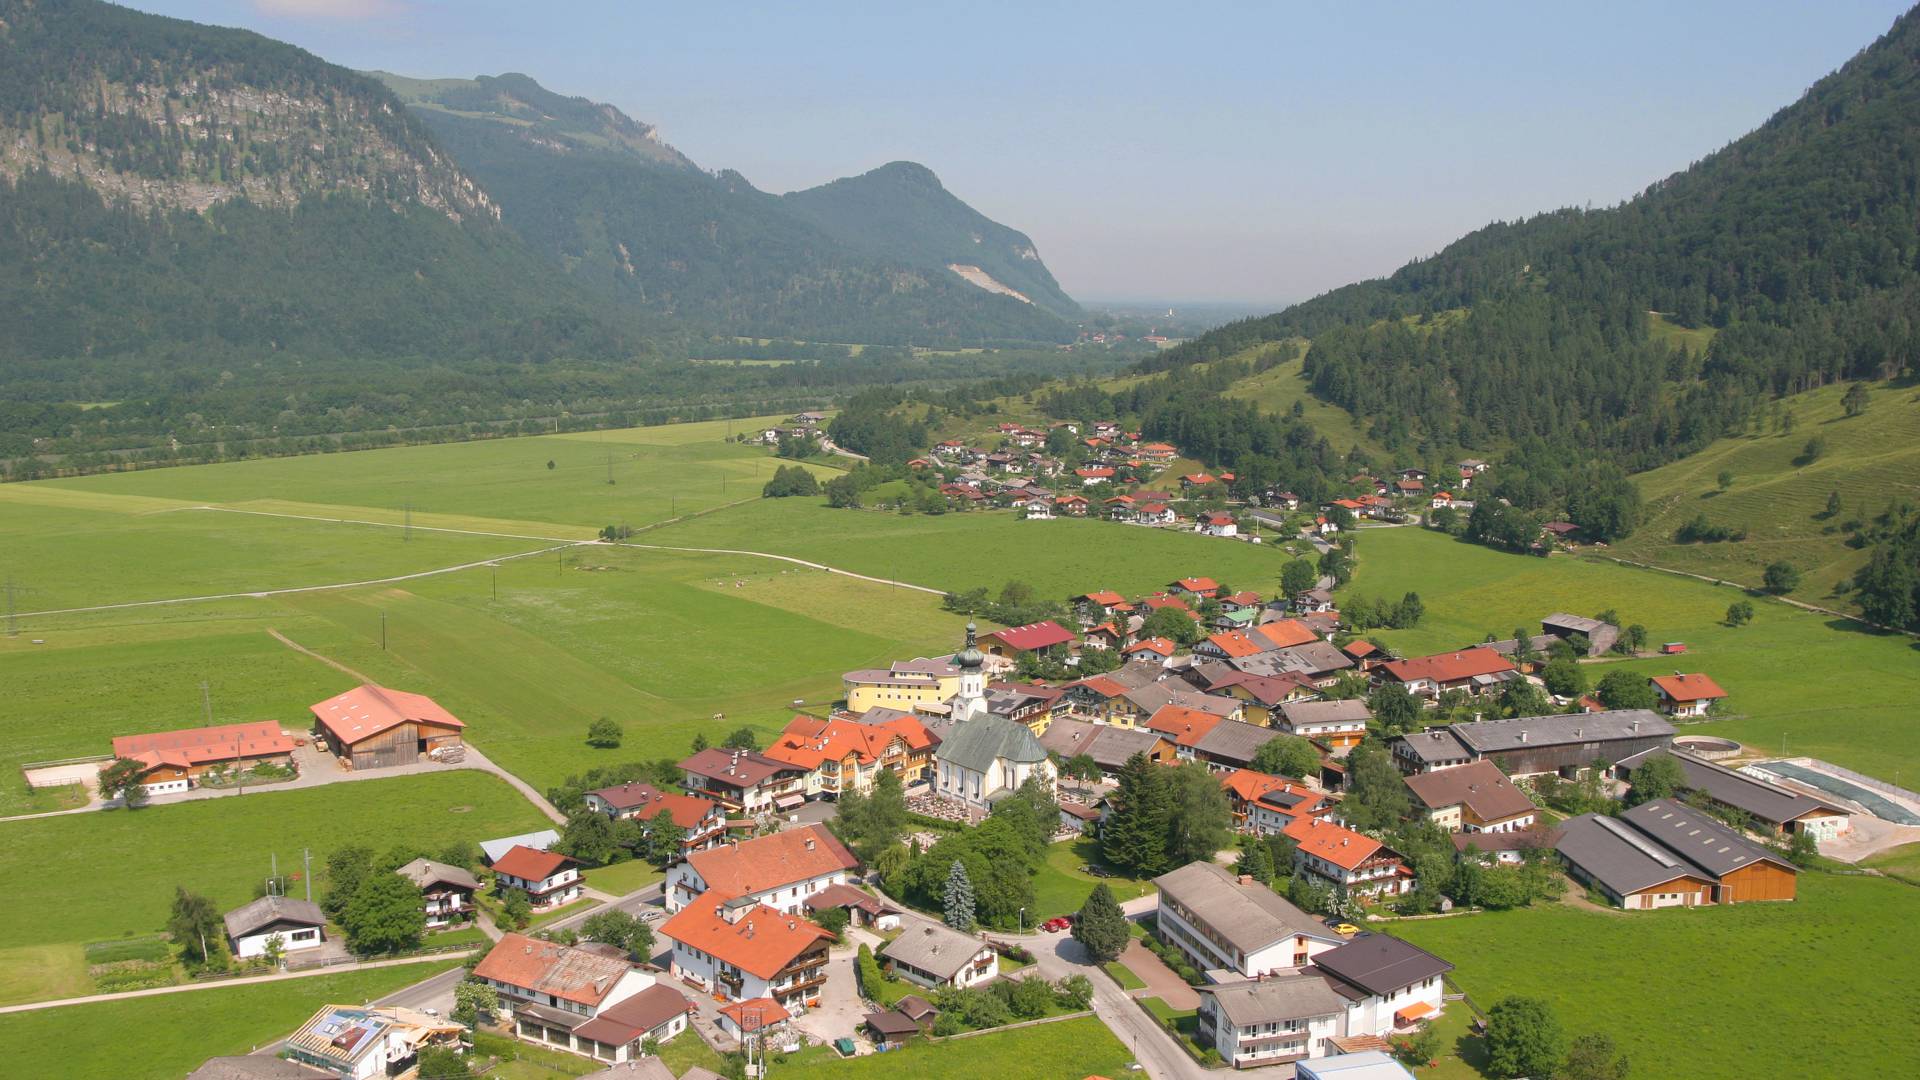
[
  {"x": 1101, "y": 925},
  {"x": 1256, "y": 859},
  {"x": 959, "y": 898}
]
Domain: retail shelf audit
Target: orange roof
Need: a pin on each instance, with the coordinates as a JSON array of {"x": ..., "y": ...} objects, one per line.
[
  {"x": 1162, "y": 600},
  {"x": 1286, "y": 633},
  {"x": 1359, "y": 647},
  {"x": 1234, "y": 643},
  {"x": 1347, "y": 503},
  {"x": 530, "y": 864},
  {"x": 366, "y": 711},
  {"x": 197, "y": 746},
  {"x": 1419, "y": 1010},
  {"x": 808, "y": 740},
  {"x": 760, "y": 941},
  {"x": 1246, "y": 597},
  {"x": 1248, "y": 785},
  {"x": 771, "y": 861},
  {"x": 566, "y": 973},
  {"x": 1163, "y": 646},
  {"x": 767, "y": 1012},
  {"x": 1103, "y": 686},
  {"x": 1681, "y": 687},
  {"x": 1186, "y": 726},
  {"x": 1199, "y": 584},
  {"x": 1158, "y": 447},
  {"x": 1449, "y": 667},
  {"x": 1105, "y": 597},
  {"x": 1333, "y": 843}
]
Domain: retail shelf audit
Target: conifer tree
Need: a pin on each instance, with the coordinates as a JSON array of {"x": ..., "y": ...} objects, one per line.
[{"x": 958, "y": 906}]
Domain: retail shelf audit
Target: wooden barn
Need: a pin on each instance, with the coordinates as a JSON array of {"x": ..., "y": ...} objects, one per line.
[
  {"x": 373, "y": 727},
  {"x": 1667, "y": 854}
]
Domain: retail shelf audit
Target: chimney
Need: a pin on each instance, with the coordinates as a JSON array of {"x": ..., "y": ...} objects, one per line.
[
  {"x": 1635, "y": 726},
  {"x": 1246, "y": 879},
  {"x": 1523, "y": 736}
]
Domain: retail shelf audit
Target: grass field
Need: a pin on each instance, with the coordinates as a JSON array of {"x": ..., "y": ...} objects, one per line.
[
  {"x": 1902, "y": 862},
  {"x": 1061, "y": 887},
  {"x": 114, "y": 872},
  {"x": 1871, "y": 460},
  {"x": 1066, "y": 1049},
  {"x": 1830, "y": 688},
  {"x": 1728, "y": 1010},
  {"x": 1695, "y": 340},
  {"x": 169, "y": 1035},
  {"x": 1279, "y": 388}
]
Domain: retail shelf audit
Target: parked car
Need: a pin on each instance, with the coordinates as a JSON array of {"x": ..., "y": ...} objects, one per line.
[
  {"x": 1345, "y": 928},
  {"x": 1055, "y": 925}
]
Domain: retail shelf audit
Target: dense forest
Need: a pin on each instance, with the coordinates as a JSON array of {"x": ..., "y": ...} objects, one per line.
[{"x": 1799, "y": 244}]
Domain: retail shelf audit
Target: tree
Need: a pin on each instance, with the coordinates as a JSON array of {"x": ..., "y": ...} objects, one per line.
[
  {"x": 1815, "y": 449},
  {"x": 516, "y": 910},
  {"x": 1029, "y": 997},
  {"x": 1394, "y": 707},
  {"x": 834, "y": 921},
  {"x": 1740, "y": 613},
  {"x": 196, "y": 926},
  {"x": 873, "y": 983},
  {"x": 1135, "y": 835},
  {"x": 1625, "y": 690},
  {"x": 662, "y": 839},
  {"x": 611, "y": 926},
  {"x": 442, "y": 1063},
  {"x": 475, "y": 1002},
  {"x": 741, "y": 738},
  {"x": 1633, "y": 639},
  {"x": 790, "y": 480},
  {"x": 1834, "y": 505},
  {"x": 1592, "y": 1057},
  {"x": 1076, "y": 992},
  {"x": 1201, "y": 823},
  {"x": 1522, "y": 698},
  {"x": 1855, "y": 402},
  {"x": 1081, "y": 767},
  {"x": 588, "y": 836},
  {"x": 1523, "y": 1038},
  {"x": 126, "y": 779},
  {"x": 1256, "y": 859},
  {"x": 1408, "y": 613},
  {"x": 843, "y": 492},
  {"x": 699, "y": 742},
  {"x": 1802, "y": 851},
  {"x": 1726, "y": 479},
  {"x": 873, "y": 821},
  {"x": 1658, "y": 777},
  {"x": 1287, "y": 755},
  {"x": 1781, "y": 577},
  {"x": 386, "y": 915},
  {"x": 605, "y": 734},
  {"x": 1173, "y": 624},
  {"x": 1298, "y": 576},
  {"x": 346, "y": 868},
  {"x": 957, "y": 908},
  {"x": 1564, "y": 678},
  {"x": 1376, "y": 798},
  {"x": 1102, "y": 926},
  {"x": 274, "y": 948}
]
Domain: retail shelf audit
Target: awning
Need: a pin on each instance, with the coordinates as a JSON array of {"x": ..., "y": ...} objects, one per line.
[
  {"x": 1413, "y": 1013},
  {"x": 788, "y": 802}
]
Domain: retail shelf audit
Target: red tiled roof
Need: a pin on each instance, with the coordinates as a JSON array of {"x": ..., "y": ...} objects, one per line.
[
  {"x": 809, "y": 740},
  {"x": 530, "y": 864},
  {"x": 1336, "y": 844},
  {"x": 1099, "y": 473},
  {"x": 1245, "y": 598},
  {"x": 1163, "y": 646},
  {"x": 1104, "y": 597},
  {"x": 197, "y": 746},
  {"x": 566, "y": 973},
  {"x": 1248, "y": 785},
  {"x": 1185, "y": 726},
  {"x": 1358, "y": 648},
  {"x": 1687, "y": 687},
  {"x": 1234, "y": 643},
  {"x": 1199, "y": 584},
  {"x": 1286, "y": 633},
  {"x": 771, "y": 861},
  {"x": 366, "y": 711},
  {"x": 766, "y": 1012},
  {"x": 1040, "y": 635},
  {"x": 1449, "y": 667},
  {"x": 761, "y": 941},
  {"x": 1104, "y": 686}
]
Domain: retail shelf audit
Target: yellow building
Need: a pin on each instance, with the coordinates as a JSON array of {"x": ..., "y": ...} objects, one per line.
[{"x": 905, "y": 685}]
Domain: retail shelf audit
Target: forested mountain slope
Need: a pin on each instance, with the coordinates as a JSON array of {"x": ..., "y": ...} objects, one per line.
[
  {"x": 598, "y": 194},
  {"x": 176, "y": 192},
  {"x": 1799, "y": 243}
]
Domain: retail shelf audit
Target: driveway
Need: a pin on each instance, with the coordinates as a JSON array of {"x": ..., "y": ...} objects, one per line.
[
  {"x": 1160, "y": 979},
  {"x": 841, "y": 1008}
]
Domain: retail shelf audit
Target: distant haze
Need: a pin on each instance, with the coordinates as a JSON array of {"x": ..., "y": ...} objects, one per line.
[{"x": 1256, "y": 153}]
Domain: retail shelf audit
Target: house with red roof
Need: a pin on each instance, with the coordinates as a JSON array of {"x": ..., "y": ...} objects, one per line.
[
  {"x": 1197, "y": 587},
  {"x": 844, "y": 753},
  {"x": 1474, "y": 670},
  {"x": 1094, "y": 474},
  {"x": 1045, "y": 636},
  {"x": 1159, "y": 452},
  {"x": 175, "y": 760},
  {"x": 549, "y": 878},
  {"x": 1072, "y": 505},
  {"x": 1217, "y": 523},
  {"x": 779, "y": 869},
  {"x": 1157, "y": 649},
  {"x": 581, "y": 999},
  {"x": 744, "y": 781},
  {"x": 375, "y": 727},
  {"x": 1153, "y": 512},
  {"x": 703, "y": 822},
  {"x": 1686, "y": 695},
  {"x": 1347, "y": 860},
  {"x": 738, "y": 949}
]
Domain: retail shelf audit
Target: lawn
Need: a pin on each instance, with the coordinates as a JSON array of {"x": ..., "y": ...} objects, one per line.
[
  {"x": 115, "y": 871},
  {"x": 1745, "y": 970},
  {"x": 1185, "y": 1023},
  {"x": 169, "y": 1035},
  {"x": 1067, "y": 1049},
  {"x": 1124, "y": 975},
  {"x": 624, "y": 877},
  {"x": 1061, "y": 887},
  {"x": 1825, "y": 686},
  {"x": 1902, "y": 862}
]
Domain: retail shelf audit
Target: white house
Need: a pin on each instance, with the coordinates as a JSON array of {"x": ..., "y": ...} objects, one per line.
[
  {"x": 1272, "y": 1020},
  {"x": 780, "y": 869},
  {"x": 1221, "y": 922},
  {"x": 744, "y": 950},
  {"x": 589, "y": 1001},
  {"x": 1388, "y": 983},
  {"x": 298, "y": 924},
  {"x": 934, "y": 956},
  {"x": 1217, "y": 523},
  {"x": 1348, "y": 860},
  {"x": 549, "y": 878}
]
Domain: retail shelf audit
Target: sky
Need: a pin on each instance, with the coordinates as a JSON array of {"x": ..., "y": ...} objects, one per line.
[{"x": 1258, "y": 153}]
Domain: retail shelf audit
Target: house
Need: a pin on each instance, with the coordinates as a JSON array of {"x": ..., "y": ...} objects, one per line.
[
  {"x": 905, "y": 685},
  {"x": 842, "y": 754},
  {"x": 1667, "y": 854},
  {"x": 1109, "y": 747},
  {"x": 549, "y": 878},
  {"x": 553, "y": 991},
  {"x": 1272, "y": 1020},
  {"x": 446, "y": 891},
  {"x": 738, "y": 1019},
  {"x": 1035, "y": 509},
  {"x": 1441, "y": 500},
  {"x": 1197, "y": 587},
  {"x": 1230, "y": 744},
  {"x": 541, "y": 840},
  {"x": 889, "y": 1028},
  {"x": 1267, "y": 692},
  {"x": 1340, "y": 724},
  {"x": 175, "y": 760},
  {"x": 621, "y": 1031},
  {"x": 1686, "y": 695},
  {"x": 1244, "y": 788},
  {"x": 1094, "y": 474},
  {"x": 1221, "y": 922},
  {"x": 1105, "y": 636},
  {"x": 1283, "y": 500},
  {"x": 1387, "y": 982},
  {"x": 1195, "y": 480},
  {"x": 862, "y": 908},
  {"x": 934, "y": 956},
  {"x": 1509, "y": 848},
  {"x": 1409, "y": 489},
  {"x": 1315, "y": 599},
  {"x": 1278, "y": 808},
  {"x": 1346, "y": 860},
  {"x": 779, "y": 870},
  {"x": 1157, "y": 649},
  {"x": 1318, "y": 661},
  {"x": 1599, "y": 636},
  {"x": 1426, "y": 751},
  {"x": 1072, "y": 505},
  {"x": 1033, "y": 704},
  {"x": 373, "y": 727},
  {"x": 1158, "y": 452},
  {"x": 1217, "y": 523},
  {"x": 1475, "y": 670},
  {"x": 1563, "y": 531},
  {"x": 1097, "y": 607},
  {"x": 361, "y": 1043},
  {"x": 1359, "y": 1065},
  {"x": 1475, "y": 797},
  {"x": 1154, "y": 513},
  {"x": 1046, "y": 636},
  {"x": 298, "y": 924},
  {"x": 1474, "y": 466},
  {"x": 1564, "y": 743},
  {"x": 1365, "y": 653},
  {"x": 744, "y": 782},
  {"x": 983, "y": 759},
  {"x": 703, "y": 822},
  {"x": 742, "y": 950},
  {"x": 1769, "y": 807}
]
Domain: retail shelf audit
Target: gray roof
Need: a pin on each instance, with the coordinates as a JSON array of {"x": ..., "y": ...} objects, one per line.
[
  {"x": 1766, "y": 802},
  {"x": 1697, "y": 837},
  {"x": 1235, "y": 742},
  {"x": 1480, "y": 786},
  {"x": 268, "y": 910},
  {"x": 1248, "y": 917},
  {"x": 1493, "y": 736},
  {"x": 976, "y": 744},
  {"x": 1380, "y": 963},
  {"x": 539, "y": 841},
  {"x": 1303, "y": 713},
  {"x": 425, "y": 872},
  {"x": 646, "y": 1068},
  {"x": 934, "y": 949},
  {"x": 1310, "y": 658},
  {"x": 1434, "y": 746},
  {"x": 256, "y": 1067},
  {"x": 1276, "y": 1000},
  {"x": 1175, "y": 692},
  {"x": 1108, "y": 746},
  {"x": 1560, "y": 620},
  {"x": 1619, "y": 857}
]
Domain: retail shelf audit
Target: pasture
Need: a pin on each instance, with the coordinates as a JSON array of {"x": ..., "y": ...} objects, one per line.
[
  {"x": 1069, "y": 1048},
  {"x": 167, "y": 1036},
  {"x": 1826, "y": 686},
  {"x": 1278, "y": 389},
  {"x": 1728, "y": 1010}
]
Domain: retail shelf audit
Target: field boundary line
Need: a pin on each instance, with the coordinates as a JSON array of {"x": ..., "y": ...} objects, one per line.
[
  {"x": 789, "y": 559},
  {"x": 1749, "y": 589},
  {"x": 327, "y": 660},
  {"x": 217, "y": 984},
  {"x": 379, "y": 524}
]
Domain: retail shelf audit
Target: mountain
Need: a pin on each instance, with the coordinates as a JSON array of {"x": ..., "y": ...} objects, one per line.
[
  {"x": 901, "y": 212},
  {"x": 598, "y": 194},
  {"x": 171, "y": 190},
  {"x": 1796, "y": 247}
]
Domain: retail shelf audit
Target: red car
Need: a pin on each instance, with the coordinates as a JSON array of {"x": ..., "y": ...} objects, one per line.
[{"x": 1054, "y": 926}]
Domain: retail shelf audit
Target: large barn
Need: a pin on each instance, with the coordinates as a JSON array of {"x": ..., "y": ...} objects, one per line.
[{"x": 373, "y": 727}]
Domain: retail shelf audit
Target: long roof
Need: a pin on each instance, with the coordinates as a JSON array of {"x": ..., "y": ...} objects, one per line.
[
  {"x": 1249, "y": 917},
  {"x": 1560, "y": 620},
  {"x": 633, "y": 1017},
  {"x": 1694, "y": 687},
  {"x": 737, "y": 768},
  {"x": 425, "y": 872},
  {"x": 808, "y": 741},
  {"x": 1333, "y": 842},
  {"x": 1108, "y": 746},
  {"x": 366, "y": 711},
  {"x": 1766, "y": 802},
  {"x": 1314, "y": 657},
  {"x": 1698, "y": 837},
  {"x": 1479, "y": 786},
  {"x": 760, "y": 941},
  {"x": 268, "y": 910},
  {"x": 1235, "y": 741},
  {"x": 772, "y": 861},
  {"x": 1492, "y": 736},
  {"x": 530, "y": 864},
  {"x": 1040, "y": 635},
  {"x": 1432, "y": 746},
  {"x": 577, "y": 975},
  {"x": 197, "y": 746},
  {"x": 1339, "y": 711},
  {"x": 1618, "y": 856},
  {"x": 936, "y": 950},
  {"x": 976, "y": 744},
  {"x": 1448, "y": 667},
  {"x": 1276, "y": 999},
  {"x": 1184, "y": 725},
  {"x": 1381, "y": 964}
]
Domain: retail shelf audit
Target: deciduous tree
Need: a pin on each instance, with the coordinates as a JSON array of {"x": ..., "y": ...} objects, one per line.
[
  {"x": 386, "y": 915},
  {"x": 1523, "y": 1038}
]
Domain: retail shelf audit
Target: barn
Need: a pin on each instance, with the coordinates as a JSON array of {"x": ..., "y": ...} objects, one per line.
[{"x": 373, "y": 727}]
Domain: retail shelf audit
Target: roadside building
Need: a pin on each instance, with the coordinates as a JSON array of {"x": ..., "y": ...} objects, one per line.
[
  {"x": 703, "y": 822},
  {"x": 1347, "y": 860},
  {"x": 549, "y": 878},
  {"x": 779, "y": 869},
  {"x": 251, "y": 927},
  {"x": 1388, "y": 983},
  {"x": 362, "y": 1043},
  {"x": 745, "y": 782},
  {"x": 743, "y": 950},
  {"x": 176, "y": 760},
  {"x": 375, "y": 727},
  {"x": 1270, "y": 1021},
  {"x": 936, "y": 956},
  {"x": 1223, "y": 922},
  {"x": 905, "y": 685},
  {"x": 1667, "y": 854},
  {"x": 582, "y": 1000},
  {"x": 1340, "y": 724},
  {"x": 446, "y": 891}
]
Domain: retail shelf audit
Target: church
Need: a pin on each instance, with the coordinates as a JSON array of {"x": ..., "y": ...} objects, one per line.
[{"x": 983, "y": 758}]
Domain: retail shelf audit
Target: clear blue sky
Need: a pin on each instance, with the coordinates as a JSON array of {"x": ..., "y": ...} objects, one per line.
[{"x": 1256, "y": 152}]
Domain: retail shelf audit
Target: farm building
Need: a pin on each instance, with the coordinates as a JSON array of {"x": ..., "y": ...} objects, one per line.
[
  {"x": 373, "y": 727},
  {"x": 1667, "y": 854},
  {"x": 1768, "y": 806},
  {"x": 1565, "y": 743},
  {"x": 175, "y": 760}
]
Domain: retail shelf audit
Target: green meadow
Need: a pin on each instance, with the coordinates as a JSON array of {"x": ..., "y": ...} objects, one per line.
[
  {"x": 112, "y": 874},
  {"x": 1058, "y": 1051},
  {"x": 1827, "y": 686},
  {"x": 1743, "y": 1001},
  {"x": 167, "y": 1036},
  {"x": 1279, "y": 388}
]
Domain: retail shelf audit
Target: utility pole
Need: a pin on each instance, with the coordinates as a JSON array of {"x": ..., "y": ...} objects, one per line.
[
  {"x": 383, "y": 631},
  {"x": 273, "y": 879},
  {"x": 609, "y": 467},
  {"x": 407, "y": 531},
  {"x": 496, "y": 581},
  {"x": 206, "y": 703},
  {"x": 13, "y": 625},
  {"x": 306, "y": 871}
]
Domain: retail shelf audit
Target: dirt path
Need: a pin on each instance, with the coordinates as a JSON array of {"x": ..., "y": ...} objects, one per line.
[
  {"x": 794, "y": 561},
  {"x": 327, "y": 660},
  {"x": 1748, "y": 589}
]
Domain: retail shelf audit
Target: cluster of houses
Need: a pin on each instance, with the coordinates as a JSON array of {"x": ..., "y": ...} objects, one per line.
[{"x": 799, "y": 426}]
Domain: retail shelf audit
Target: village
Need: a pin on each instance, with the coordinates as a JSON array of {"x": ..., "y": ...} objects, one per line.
[{"x": 1242, "y": 794}]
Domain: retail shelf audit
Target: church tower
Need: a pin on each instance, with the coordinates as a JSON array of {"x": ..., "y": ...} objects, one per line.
[{"x": 971, "y": 702}]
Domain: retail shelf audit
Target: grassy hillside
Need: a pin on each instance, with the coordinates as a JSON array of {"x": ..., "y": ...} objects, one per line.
[
  {"x": 1780, "y": 499},
  {"x": 1278, "y": 389}
]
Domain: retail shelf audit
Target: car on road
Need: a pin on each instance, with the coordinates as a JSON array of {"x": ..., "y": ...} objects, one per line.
[
  {"x": 1055, "y": 925},
  {"x": 1346, "y": 928}
]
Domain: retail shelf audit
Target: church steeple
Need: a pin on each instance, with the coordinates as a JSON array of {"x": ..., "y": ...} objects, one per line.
[{"x": 971, "y": 701}]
